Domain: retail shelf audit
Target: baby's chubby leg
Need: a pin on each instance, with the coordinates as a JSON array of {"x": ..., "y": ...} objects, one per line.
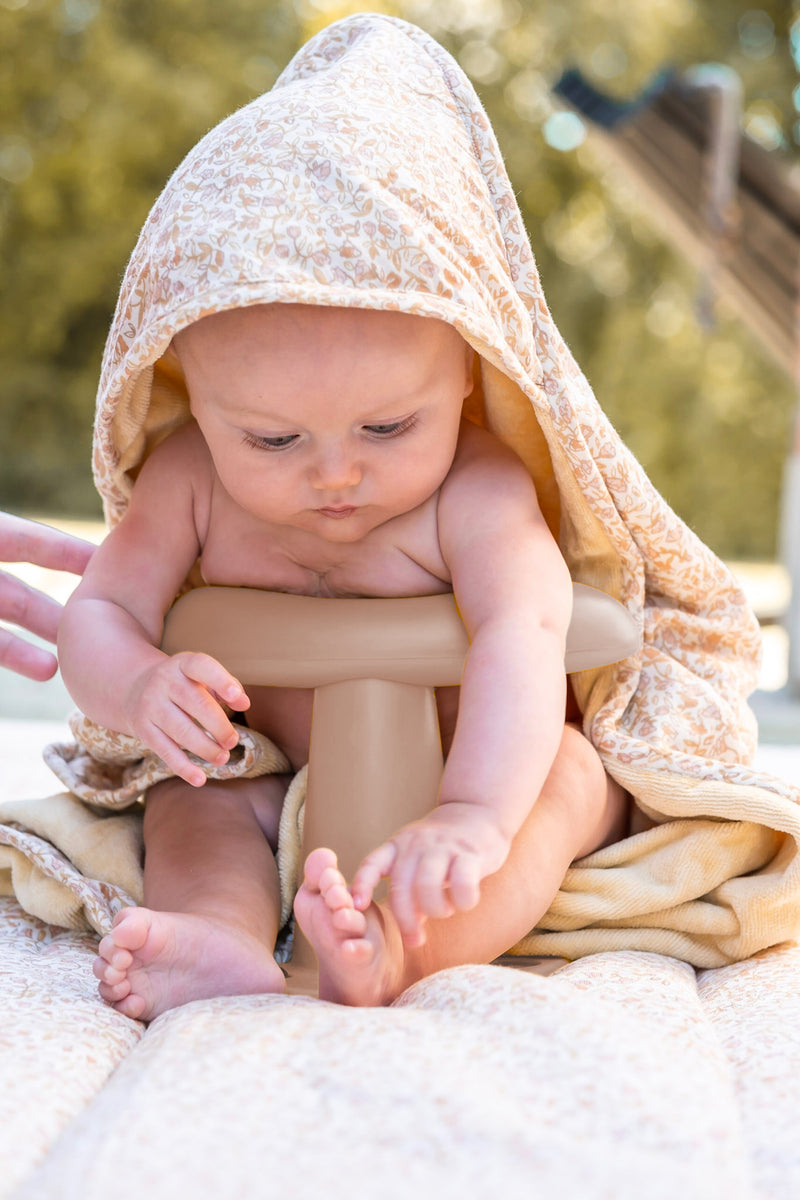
[
  {"x": 212, "y": 900},
  {"x": 364, "y": 956}
]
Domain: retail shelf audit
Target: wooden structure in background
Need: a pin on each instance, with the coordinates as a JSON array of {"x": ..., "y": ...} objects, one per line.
[
  {"x": 664, "y": 140},
  {"x": 677, "y": 141}
]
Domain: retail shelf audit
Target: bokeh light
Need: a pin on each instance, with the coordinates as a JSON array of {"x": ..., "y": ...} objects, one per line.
[
  {"x": 564, "y": 131},
  {"x": 482, "y": 62},
  {"x": 608, "y": 60},
  {"x": 77, "y": 15},
  {"x": 757, "y": 34},
  {"x": 16, "y": 161},
  {"x": 763, "y": 122},
  {"x": 528, "y": 95},
  {"x": 667, "y": 312},
  {"x": 794, "y": 42}
]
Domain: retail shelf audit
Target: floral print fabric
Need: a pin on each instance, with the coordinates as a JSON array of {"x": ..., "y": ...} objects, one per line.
[{"x": 622, "y": 1075}]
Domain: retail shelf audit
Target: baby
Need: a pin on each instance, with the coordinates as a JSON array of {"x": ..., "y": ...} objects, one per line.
[{"x": 327, "y": 455}]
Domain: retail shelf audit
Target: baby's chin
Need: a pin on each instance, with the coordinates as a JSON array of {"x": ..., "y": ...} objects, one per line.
[{"x": 348, "y": 524}]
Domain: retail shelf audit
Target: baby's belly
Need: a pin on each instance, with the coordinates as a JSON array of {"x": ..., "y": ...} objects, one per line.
[{"x": 284, "y": 716}]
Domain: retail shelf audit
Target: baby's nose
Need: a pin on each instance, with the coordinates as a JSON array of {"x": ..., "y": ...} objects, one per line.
[{"x": 336, "y": 470}]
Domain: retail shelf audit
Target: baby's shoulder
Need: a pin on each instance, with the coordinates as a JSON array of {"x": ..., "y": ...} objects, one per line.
[
  {"x": 184, "y": 444},
  {"x": 175, "y": 482},
  {"x": 483, "y": 465},
  {"x": 180, "y": 461},
  {"x": 487, "y": 495}
]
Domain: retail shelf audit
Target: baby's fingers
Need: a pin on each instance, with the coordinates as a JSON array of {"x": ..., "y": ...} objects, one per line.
[
  {"x": 465, "y": 882},
  {"x": 203, "y": 669},
  {"x": 199, "y": 737},
  {"x": 430, "y": 890},
  {"x": 175, "y": 758},
  {"x": 403, "y": 897},
  {"x": 375, "y": 867},
  {"x": 196, "y": 720}
]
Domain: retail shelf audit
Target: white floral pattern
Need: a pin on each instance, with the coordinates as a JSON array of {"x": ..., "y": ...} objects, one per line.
[
  {"x": 622, "y": 1075},
  {"x": 58, "y": 1042}
]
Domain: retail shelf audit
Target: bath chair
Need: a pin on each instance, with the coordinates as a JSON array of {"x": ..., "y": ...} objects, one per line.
[{"x": 375, "y": 758}]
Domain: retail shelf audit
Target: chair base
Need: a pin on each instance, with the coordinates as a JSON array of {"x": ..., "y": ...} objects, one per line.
[{"x": 375, "y": 764}]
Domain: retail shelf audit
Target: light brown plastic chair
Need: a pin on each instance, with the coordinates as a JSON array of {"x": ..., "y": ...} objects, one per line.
[{"x": 375, "y": 758}]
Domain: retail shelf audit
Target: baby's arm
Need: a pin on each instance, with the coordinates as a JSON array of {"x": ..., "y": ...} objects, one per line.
[
  {"x": 112, "y": 624},
  {"x": 514, "y": 594}
]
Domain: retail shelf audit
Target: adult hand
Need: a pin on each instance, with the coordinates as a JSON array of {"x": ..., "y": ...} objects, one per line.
[{"x": 28, "y": 541}]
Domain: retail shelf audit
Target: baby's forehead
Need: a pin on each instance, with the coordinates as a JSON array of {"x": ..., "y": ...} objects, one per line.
[
  {"x": 311, "y": 358},
  {"x": 315, "y": 324}
]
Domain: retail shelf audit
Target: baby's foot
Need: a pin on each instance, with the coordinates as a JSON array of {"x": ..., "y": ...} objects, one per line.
[
  {"x": 152, "y": 961},
  {"x": 360, "y": 953}
]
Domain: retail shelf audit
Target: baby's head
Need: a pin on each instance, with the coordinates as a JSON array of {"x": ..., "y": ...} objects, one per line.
[{"x": 332, "y": 420}]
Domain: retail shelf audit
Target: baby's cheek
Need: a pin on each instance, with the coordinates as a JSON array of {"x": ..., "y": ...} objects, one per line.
[{"x": 254, "y": 496}]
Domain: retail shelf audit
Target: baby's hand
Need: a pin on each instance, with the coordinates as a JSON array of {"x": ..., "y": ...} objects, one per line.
[
  {"x": 435, "y": 866},
  {"x": 176, "y": 706}
]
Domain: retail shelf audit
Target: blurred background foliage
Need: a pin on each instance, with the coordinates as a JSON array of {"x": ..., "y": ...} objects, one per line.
[{"x": 99, "y": 101}]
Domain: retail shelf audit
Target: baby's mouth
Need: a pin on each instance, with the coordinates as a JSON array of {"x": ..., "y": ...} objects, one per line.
[{"x": 338, "y": 513}]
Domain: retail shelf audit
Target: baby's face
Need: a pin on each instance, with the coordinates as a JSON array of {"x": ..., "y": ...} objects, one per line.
[{"x": 328, "y": 420}]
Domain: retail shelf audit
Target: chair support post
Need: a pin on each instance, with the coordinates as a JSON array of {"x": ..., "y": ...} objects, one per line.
[{"x": 375, "y": 764}]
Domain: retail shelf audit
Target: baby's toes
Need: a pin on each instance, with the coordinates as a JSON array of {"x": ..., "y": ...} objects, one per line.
[
  {"x": 349, "y": 921},
  {"x": 104, "y": 971},
  {"x": 107, "y": 947},
  {"x": 131, "y": 929},
  {"x": 337, "y": 897},
  {"x": 357, "y": 950},
  {"x": 112, "y": 993},
  {"x": 331, "y": 878},
  {"x": 116, "y": 956},
  {"x": 131, "y": 1006},
  {"x": 316, "y": 864}
]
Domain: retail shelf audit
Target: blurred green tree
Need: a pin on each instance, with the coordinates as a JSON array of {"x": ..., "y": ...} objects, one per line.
[
  {"x": 100, "y": 104},
  {"x": 104, "y": 100}
]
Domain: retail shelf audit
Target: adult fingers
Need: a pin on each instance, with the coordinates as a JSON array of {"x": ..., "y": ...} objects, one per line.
[
  {"x": 27, "y": 607},
  {"x": 24, "y": 659},
  {"x": 22, "y": 540}
]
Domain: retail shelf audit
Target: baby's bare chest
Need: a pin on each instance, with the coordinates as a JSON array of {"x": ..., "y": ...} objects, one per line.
[{"x": 401, "y": 558}]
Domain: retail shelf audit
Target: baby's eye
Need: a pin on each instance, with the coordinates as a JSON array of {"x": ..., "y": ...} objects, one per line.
[
  {"x": 269, "y": 443},
  {"x": 389, "y": 429}
]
